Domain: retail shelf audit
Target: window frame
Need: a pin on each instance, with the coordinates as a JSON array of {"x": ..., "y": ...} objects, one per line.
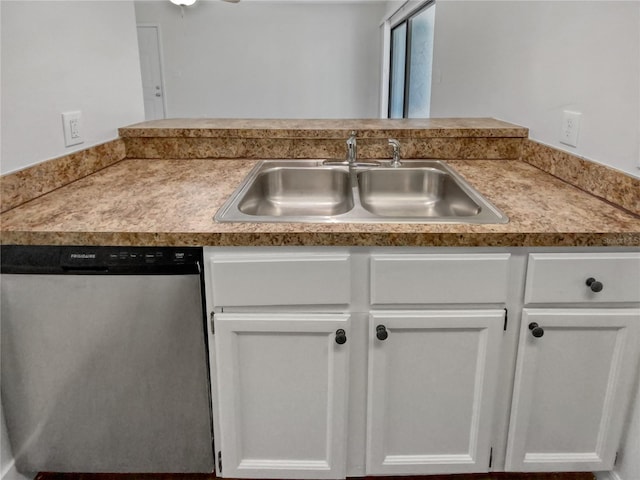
[{"x": 403, "y": 14}]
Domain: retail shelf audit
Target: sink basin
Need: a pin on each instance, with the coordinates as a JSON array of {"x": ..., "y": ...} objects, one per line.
[
  {"x": 414, "y": 192},
  {"x": 290, "y": 191},
  {"x": 309, "y": 191}
]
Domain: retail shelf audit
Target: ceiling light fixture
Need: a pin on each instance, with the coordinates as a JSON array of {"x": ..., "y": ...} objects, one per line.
[{"x": 183, "y": 3}]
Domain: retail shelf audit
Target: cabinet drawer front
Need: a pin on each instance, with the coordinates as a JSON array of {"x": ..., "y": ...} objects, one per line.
[
  {"x": 421, "y": 279},
  {"x": 280, "y": 279},
  {"x": 562, "y": 278}
]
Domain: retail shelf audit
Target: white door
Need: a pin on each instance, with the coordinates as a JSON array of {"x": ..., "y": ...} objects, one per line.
[
  {"x": 282, "y": 393},
  {"x": 431, "y": 390},
  {"x": 572, "y": 388},
  {"x": 150, "y": 66}
]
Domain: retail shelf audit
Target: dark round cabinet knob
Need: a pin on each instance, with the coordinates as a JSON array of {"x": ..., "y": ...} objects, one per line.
[
  {"x": 341, "y": 337},
  {"x": 381, "y": 332},
  {"x": 536, "y": 330},
  {"x": 595, "y": 285}
]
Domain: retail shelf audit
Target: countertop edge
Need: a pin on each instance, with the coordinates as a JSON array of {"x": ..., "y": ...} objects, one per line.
[
  {"x": 341, "y": 239},
  {"x": 135, "y": 132},
  {"x": 324, "y": 128}
]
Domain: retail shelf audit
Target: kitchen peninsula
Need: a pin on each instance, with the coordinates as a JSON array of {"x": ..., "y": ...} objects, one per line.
[
  {"x": 167, "y": 179},
  {"x": 361, "y": 300}
]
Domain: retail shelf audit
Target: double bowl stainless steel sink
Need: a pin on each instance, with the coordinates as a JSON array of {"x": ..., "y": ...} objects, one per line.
[{"x": 309, "y": 191}]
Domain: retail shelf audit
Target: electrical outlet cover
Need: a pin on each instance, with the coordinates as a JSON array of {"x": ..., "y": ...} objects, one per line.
[
  {"x": 570, "y": 128},
  {"x": 71, "y": 124}
]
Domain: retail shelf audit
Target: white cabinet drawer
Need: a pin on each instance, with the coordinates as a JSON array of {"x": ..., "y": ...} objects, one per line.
[
  {"x": 250, "y": 279},
  {"x": 562, "y": 277},
  {"x": 425, "y": 278}
]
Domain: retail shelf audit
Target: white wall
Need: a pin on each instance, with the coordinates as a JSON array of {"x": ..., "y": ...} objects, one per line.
[
  {"x": 61, "y": 56},
  {"x": 526, "y": 61},
  {"x": 269, "y": 59}
]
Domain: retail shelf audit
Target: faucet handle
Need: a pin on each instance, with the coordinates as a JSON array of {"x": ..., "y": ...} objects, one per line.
[{"x": 395, "y": 144}]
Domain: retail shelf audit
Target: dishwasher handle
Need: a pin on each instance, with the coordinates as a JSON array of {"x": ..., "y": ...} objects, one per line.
[{"x": 85, "y": 269}]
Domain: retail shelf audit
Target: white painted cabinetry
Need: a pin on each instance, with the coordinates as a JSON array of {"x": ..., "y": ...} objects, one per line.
[
  {"x": 576, "y": 367},
  {"x": 433, "y": 361},
  {"x": 571, "y": 386},
  {"x": 438, "y": 369},
  {"x": 432, "y": 377},
  {"x": 282, "y": 394},
  {"x": 426, "y": 279},
  {"x": 240, "y": 279},
  {"x": 280, "y": 376},
  {"x": 562, "y": 278}
]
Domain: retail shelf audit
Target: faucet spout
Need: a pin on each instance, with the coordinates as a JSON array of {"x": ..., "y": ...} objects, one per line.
[
  {"x": 395, "y": 144},
  {"x": 352, "y": 148}
]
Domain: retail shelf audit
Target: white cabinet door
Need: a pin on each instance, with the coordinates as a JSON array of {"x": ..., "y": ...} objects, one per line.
[
  {"x": 282, "y": 392},
  {"x": 431, "y": 391},
  {"x": 572, "y": 388}
]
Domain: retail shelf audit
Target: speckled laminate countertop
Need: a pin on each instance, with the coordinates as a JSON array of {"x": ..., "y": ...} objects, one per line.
[
  {"x": 172, "y": 202},
  {"x": 330, "y": 128}
]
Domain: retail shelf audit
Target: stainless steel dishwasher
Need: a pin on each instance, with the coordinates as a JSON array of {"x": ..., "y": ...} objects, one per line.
[{"x": 104, "y": 359}]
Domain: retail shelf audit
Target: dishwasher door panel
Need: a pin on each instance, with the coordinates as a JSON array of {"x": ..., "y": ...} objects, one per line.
[{"x": 105, "y": 373}]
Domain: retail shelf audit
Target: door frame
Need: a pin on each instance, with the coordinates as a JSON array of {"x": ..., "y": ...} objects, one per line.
[{"x": 160, "y": 60}]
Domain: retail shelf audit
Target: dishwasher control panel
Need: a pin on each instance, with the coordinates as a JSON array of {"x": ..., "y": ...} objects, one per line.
[{"x": 92, "y": 259}]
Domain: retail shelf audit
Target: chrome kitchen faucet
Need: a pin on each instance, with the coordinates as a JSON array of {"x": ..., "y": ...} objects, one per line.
[
  {"x": 352, "y": 148},
  {"x": 395, "y": 144}
]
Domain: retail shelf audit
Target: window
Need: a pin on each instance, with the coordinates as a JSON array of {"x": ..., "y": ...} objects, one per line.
[{"x": 411, "y": 57}]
